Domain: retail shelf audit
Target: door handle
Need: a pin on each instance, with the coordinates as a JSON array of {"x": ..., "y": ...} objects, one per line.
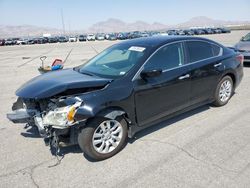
[
  {"x": 185, "y": 76},
  {"x": 217, "y": 65}
]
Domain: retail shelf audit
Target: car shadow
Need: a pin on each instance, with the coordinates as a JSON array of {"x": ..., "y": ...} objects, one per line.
[
  {"x": 168, "y": 122},
  {"x": 70, "y": 149},
  {"x": 31, "y": 132}
]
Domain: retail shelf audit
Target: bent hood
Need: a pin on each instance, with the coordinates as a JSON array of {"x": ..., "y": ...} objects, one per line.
[{"x": 53, "y": 83}]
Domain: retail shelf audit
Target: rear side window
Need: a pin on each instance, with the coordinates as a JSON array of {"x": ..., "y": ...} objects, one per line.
[
  {"x": 168, "y": 57},
  {"x": 216, "y": 50},
  {"x": 198, "y": 50}
]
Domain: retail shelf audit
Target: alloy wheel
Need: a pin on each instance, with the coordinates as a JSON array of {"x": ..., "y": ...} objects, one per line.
[
  {"x": 225, "y": 91},
  {"x": 107, "y": 136}
]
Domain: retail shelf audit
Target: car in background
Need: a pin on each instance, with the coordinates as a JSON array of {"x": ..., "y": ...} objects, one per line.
[
  {"x": 62, "y": 39},
  {"x": 144, "y": 34},
  {"x": 9, "y": 42},
  {"x": 91, "y": 37},
  {"x": 163, "y": 33},
  {"x": 126, "y": 88},
  {"x": 243, "y": 46},
  {"x": 22, "y": 41},
  {"x": 216, "y": 30},
  {"x": 15, "y": 40},
  {"x": 198, "y": 31},
  {"x": 154, "y": 33},
  {"x": 30, "y": 41},
  {"x": 111, "y": 36},
  {"x": 180, "y": 32},
  {"x": 172, "y": 32},
  {"x": 208, "y": 31},
  {"x": 134, "y": 35},
  {"x": 2, "y": 42},
  {"x": 82, "y": 38},
  {"x": 188, "y": 32},
  {"x": 40, "y": 40},
  {"x": 225, "y": 30},
  {"x": 52, "y": 39},
  {"x": 122, "y": 36},
  {"x": 72, "y": 39},
  {"x": 100, "y": 36}
]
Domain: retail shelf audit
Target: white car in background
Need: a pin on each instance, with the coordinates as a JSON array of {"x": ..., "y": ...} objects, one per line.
[
  {"x": 91, "y": 37},
  {"x": 72, "y": 39},
  {"x": 22, "y": 41},
  {"x": 100, "y": 36}
]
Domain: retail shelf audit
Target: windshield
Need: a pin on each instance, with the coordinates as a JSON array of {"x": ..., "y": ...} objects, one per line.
[
  {"x": 246, "y": 38},
  {"x": 115, "y": 61}
]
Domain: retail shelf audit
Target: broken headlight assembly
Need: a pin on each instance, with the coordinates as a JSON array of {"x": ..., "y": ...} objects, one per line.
[{"x": 61, "y": 117}]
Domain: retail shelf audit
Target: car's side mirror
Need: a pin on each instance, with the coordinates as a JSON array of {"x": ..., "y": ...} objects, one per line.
[
  {"x": 150, "y": 73},
  {"x": 242, "y": 39}
]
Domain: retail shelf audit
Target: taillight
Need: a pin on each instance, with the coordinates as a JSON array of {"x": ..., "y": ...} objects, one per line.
[{"x": 240, "y": 58}]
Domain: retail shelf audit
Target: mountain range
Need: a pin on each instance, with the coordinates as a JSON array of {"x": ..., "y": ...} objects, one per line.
[{"x": 114, "y": 25}]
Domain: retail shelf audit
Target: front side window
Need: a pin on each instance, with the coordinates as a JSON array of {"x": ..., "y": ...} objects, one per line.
[
  {"x": 167, "y": 57},
  {"x": 198, "y": 50}
]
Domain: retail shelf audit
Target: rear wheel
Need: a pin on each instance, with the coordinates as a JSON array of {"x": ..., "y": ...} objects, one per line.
[
  {"x": 223, "y": 91},
  {"x": 102, "y": 138}
]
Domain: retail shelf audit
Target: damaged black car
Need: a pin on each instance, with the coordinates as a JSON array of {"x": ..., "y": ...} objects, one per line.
[{"x": 126, "y": 88}]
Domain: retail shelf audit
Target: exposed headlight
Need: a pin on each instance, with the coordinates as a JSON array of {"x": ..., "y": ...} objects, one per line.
[{"x": 61, "y": 117}]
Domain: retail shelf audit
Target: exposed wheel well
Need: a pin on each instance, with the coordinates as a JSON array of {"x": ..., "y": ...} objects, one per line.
[{"x": 112, "y": 112}]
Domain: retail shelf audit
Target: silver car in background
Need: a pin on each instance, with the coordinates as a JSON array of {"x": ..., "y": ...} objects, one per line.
[{"x": 243, "y": 46}]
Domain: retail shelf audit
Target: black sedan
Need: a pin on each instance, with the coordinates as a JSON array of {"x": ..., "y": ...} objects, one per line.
[
  {"x": 82, "y": 38},
  {"x": 126, "y": 88}
]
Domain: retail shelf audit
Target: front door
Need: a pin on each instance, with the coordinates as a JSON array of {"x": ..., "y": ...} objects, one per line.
[{"x": 160, "y": 96}]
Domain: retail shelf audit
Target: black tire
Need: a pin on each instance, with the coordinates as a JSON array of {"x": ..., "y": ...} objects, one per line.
[
  {"x": 86, "y": 134},
  {"x": 217, "y": 100}
]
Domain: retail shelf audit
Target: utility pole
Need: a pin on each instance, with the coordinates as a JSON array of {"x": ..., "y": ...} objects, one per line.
[
  {"x": 69, "y": 29},
  {"x": 63, "y": 22}
]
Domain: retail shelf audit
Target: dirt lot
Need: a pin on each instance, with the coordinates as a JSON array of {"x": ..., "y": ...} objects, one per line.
[{"x": 207, "y": 147}]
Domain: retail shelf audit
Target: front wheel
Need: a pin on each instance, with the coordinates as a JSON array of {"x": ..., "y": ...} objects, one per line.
[
  {"x": 223, "y": 91},
  {"x": 103, "y": 138}
]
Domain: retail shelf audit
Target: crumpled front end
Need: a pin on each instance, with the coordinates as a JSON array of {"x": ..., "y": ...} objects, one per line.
[{"x": 54, "y": 118}]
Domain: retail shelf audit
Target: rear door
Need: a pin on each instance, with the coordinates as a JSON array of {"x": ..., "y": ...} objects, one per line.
[{"x": 205, "y": 64}]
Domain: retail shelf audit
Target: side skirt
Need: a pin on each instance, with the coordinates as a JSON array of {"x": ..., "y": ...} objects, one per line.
[{"x": 135, "y": 128}]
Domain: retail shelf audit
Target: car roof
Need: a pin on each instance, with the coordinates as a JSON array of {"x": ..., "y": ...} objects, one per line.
[{"x": 157, "y": 41}]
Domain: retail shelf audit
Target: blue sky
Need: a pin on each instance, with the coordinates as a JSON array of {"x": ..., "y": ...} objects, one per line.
[{"x": 82, "y": 14}]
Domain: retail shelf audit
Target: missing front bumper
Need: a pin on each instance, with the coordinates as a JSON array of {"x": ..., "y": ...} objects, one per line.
[
  {"x": 29, "y": 116},
  {"x": 21, "y": 116}
]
